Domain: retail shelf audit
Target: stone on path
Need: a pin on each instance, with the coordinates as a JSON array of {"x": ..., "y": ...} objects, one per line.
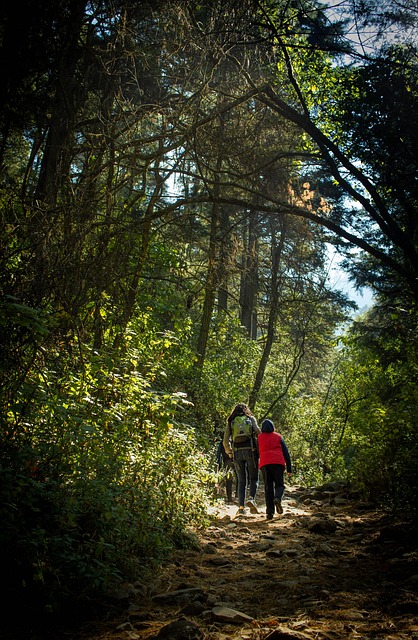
[
  {"x": 323, "y": 526},
  {"x": 181, "y": 629},
  {"x": 180, "y": 595},
  {"x": 225, "y": 614},
  {"x": 219, "y": 561},
  {"x": 285, "y": 633}
]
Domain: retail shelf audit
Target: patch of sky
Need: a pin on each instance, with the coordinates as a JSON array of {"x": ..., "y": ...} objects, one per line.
[{"x": 340, "y": 281}]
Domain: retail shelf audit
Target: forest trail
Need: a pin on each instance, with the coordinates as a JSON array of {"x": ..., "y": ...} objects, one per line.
[{"x": 329, "y": 567}]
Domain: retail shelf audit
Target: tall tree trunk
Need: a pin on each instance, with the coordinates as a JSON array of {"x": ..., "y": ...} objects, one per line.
[
  {"x": 210, "y": 290},
  {"x": 249, "y": 278},
  {"x": 211, "y": 277},
  {"x": 276, "y": 254},
  {"x": 224, "y": 260},
  {"x": 56, "y": 160}
]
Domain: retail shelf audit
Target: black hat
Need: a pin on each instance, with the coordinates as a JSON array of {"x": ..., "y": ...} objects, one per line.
[{"x": 267, "y": 426}]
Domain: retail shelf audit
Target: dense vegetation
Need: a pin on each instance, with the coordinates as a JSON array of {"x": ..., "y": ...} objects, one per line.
[{"x": 173, "y": 176}]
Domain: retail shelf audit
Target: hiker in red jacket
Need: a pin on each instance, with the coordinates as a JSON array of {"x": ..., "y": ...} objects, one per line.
[{"x": 274, "y": 457}]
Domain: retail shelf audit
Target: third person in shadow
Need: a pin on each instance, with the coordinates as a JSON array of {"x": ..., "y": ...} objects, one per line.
[{"x": 226, "y": 464}]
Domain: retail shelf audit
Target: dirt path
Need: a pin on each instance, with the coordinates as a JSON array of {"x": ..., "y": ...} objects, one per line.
[{"x": 328, "y": 568}]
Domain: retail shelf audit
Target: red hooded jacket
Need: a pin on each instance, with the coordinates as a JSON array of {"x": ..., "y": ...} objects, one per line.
[{"x": 270, "y": 449}]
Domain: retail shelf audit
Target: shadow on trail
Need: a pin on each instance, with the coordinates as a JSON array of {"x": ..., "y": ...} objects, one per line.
[
  {"x": 328, "y": 565},
  {"x": 329, "y": 568}
]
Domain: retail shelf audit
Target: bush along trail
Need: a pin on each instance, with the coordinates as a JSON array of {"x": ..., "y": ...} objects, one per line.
[{"x": 329, "y": 567}]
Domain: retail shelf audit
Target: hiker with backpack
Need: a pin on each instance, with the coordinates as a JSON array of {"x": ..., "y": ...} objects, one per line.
[
  {"x": 240, "y": 442},
  {"x": 274, "y": 458}
]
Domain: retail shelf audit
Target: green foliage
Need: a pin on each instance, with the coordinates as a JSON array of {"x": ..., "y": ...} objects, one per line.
[
  {"x": 99, "y": 481},
  {"x": 374, "y": 397},
  {"x": 357, "y": 418},
  {"x": 313, "y": 438},
  {"x": 387, "y": 464},
  {"x": 229, "y": 369}
]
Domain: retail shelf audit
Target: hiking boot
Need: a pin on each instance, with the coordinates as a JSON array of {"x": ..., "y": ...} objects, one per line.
[
  {"x": 269, "y": 516},
  {"x": 241, "y": 511},
  {"x": 278, "y": 505},
  {"x": 251, "y": 504}
]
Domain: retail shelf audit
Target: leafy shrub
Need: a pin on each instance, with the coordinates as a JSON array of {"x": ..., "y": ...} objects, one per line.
[{"x": 100, "y": 482}]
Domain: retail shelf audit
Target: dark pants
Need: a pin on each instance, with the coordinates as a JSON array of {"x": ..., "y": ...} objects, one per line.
[
  {"x": 246, "y": 463},
  {"x": 273, "y": 484}
]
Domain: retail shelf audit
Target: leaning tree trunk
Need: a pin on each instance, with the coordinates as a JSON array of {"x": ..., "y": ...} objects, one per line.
[{"x": 276, "y": 254}]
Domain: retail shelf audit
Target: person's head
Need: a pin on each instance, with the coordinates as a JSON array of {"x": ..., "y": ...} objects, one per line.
[
  {"x": 240, "y": 409},
  {"x": 267, "y": 426}
]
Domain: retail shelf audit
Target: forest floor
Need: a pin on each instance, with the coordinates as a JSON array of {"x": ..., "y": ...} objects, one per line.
[{"x": 329, "y": 567}]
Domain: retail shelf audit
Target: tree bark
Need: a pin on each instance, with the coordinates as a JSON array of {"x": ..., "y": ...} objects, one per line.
[
  {"x": 210, "y": 289},
  {"x": 224, "y": 260},
  {"x": 249, "y": 278},
  {"x": 276, "y": 254},
  {"x": 56, "y": 160}
]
